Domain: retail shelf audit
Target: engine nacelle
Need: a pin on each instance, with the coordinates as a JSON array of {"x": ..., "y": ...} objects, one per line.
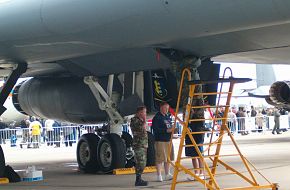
[
  {"x": 280, "y": 94},
  {"x": 70, "y": 99},
  {"x": 64, "y": 99}
]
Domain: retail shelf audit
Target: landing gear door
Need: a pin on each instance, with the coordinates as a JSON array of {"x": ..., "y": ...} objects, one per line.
[{"x": 160, "y": 85}]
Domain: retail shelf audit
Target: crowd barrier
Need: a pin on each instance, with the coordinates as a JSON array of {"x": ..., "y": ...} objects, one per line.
[{"x": 67, "y": 135}]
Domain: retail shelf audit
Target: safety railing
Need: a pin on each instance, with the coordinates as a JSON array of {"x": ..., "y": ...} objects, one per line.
[
  {"x": 246, "y": 125},
  {"x": 55, "y": 136},
  {"x": 68, "y": 135}
]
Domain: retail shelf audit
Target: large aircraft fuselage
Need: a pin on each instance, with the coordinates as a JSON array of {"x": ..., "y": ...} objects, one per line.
[{"x": 49, "y": 30}]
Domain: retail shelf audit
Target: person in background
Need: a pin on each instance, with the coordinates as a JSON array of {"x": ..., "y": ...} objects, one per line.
[
  {"x": 56, "y": 133},
  {"x": 260, "y": 121},
  {"x": 140, "y": 143},
  {"x": 277, "y": 121},
  {"x": 241, "y": 115},
  {"x": 25, "y": 128},
  {"x": 162, "y": 129},
  {"x": 43, "y": 130},
  {"x": 253, "y": 112},
  {"x": 208, "y": 121},
  {"x": 232, "y": 120},
  {"x": 2, "y": 132},
  {"x": 191, "y": 151},
  {"x": 49, "y": 129},
  {"x": 68, "y": 134},
  {"x": 35, "y": 127}
]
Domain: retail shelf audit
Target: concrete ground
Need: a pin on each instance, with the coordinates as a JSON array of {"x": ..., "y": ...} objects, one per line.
[{"x": 269, "y": 153}]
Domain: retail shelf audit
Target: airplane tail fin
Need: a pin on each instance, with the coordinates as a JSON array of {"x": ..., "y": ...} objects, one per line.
[{"x": 265, "y": 75}]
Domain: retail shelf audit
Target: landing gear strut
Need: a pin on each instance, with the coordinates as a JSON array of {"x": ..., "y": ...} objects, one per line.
[
  {"x": 17, "y": 71},
  {"x": 2, "y": 163},
  {"x": 105, "y": 102},
  {"x": 108, "y": 152},
  {"x": 9, "y": 84}
]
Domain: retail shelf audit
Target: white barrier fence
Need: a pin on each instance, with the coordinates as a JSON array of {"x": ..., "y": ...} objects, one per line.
[
  {"x": 68, "y": 135},
  {"x": 268, "y": 123}
]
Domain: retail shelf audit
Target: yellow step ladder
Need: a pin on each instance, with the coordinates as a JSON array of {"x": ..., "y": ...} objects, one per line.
[{"x": 212, "y": 156}]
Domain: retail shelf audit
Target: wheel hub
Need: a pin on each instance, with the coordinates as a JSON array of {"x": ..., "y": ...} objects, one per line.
[
  {"x": 84, "y": 153},
  {"x": 106, "y": 154}
]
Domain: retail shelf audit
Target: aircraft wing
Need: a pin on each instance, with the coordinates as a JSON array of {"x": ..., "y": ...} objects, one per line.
[
  {"x": 61, "y": 42},
  {"x": 260, "y": 92},
  {"x": 49, "y": 34}
]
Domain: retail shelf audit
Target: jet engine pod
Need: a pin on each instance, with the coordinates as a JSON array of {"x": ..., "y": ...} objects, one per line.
[
  {"x": 66, "y": 99},
  {"x": 280, "y": 92}
]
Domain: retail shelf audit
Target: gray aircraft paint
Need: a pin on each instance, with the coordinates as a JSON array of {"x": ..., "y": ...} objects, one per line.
[
  {"x": 265, "y": 75},
  {"x": 38, "y": 31}
]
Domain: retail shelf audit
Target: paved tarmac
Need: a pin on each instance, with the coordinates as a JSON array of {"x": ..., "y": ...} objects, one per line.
[{"x": 269, "y": 153}]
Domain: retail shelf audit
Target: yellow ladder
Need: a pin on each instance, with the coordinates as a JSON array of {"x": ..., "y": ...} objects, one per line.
[{"x": 212, "y": 161}]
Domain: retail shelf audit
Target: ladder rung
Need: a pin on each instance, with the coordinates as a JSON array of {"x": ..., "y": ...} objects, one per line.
[
  {"x": 185, "y": 182},
  {"x": 195, "y": 168},
  {"x": 209, "y": 156},
  {"x": 202, "y": 132},
  {"x": 212, "y": 119},
  {"x": 223, "y": 173},
  {"x": 204, "y": 144},
  {"x": 210, "y": 93},
  {"x": 220, "y": 80},
  {"x": 210, "y": 106}
]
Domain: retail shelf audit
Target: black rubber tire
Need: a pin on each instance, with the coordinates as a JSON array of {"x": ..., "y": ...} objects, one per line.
[
  {"x": 128, "y": 139},
  {"x": 2, "y": 162},
  {"x": 129, "y": 143},
  {"x": 150, "y": 150},
  {"x": 111, "y": 153},
  {"x": 87, "y": 153}
]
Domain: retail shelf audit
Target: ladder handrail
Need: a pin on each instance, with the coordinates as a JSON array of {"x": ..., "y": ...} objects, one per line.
[
  {"x": 218, "y": 102},
  {"x": 209, "y": 170},
  {"x": 188, "y": 72}
]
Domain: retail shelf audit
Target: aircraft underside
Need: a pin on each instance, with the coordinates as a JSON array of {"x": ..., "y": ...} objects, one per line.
[{"x": 93, "y": 62}]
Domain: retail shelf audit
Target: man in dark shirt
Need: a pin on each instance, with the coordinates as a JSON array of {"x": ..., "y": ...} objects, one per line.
[
  {"x": 277, "y": 121},
  {"x": 162, "y": 128},
  {"x": 253, "y": 112}
]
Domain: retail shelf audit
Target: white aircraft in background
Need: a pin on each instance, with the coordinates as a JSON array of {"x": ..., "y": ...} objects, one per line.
[{"x": 11, "y": 117}]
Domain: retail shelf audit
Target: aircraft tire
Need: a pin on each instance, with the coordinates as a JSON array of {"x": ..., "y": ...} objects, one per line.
[
  {"x": 150, "y": 150},
  {"x": 87, "y": 153},
  {"x": 111, "y": 153},
  {"x": 2, "y": 162},
  {"x": 130, "y": 162},
  {"x": 128, "y": 139}
]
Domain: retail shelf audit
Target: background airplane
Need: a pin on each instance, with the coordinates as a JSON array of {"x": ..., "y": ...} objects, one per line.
[
  {"x": 94, "y": 60},
  {"x": 11, "y": 117}
]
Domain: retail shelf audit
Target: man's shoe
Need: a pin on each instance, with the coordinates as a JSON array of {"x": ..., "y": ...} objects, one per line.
[
  {"x": 273, "y": 133},
  {"x": 202, "y": 177},
  {"x": 141, "y": 182},
  {"x": 278, "y": 133},
  {"x": 159, "y": 178},
  {"x": 190, "y": 178},
  {"x": 168, "y": 177}
]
